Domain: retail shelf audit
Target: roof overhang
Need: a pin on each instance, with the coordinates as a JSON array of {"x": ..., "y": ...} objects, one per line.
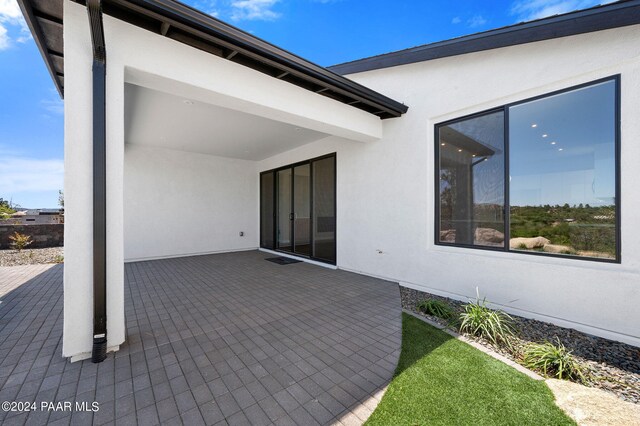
[
  {"x": 187, "y": 25},
  {"x": 613, "y": 15}
]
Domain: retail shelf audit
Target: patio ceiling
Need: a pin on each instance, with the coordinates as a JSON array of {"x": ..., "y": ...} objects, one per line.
[{"x": 158, "y": 119}]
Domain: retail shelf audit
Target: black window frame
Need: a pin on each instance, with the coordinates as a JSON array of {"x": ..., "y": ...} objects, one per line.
[{"x": 507, "y": 206}]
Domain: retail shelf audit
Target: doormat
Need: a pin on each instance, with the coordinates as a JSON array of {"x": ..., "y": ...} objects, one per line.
[{"x": 283, "y": 260}]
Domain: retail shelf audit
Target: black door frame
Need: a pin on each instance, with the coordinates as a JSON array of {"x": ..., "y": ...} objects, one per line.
[{"x": 311, "y": 211}]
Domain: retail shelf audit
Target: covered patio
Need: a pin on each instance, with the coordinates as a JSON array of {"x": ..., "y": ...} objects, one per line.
[{"x": 216, "y": 339}]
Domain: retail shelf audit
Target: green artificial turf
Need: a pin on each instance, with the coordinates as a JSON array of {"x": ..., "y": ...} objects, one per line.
[{"x": 443, "y": 381}]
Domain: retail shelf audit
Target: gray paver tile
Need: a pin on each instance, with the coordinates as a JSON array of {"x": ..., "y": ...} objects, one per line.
[
  {"x": 185, "y": 401},
  {"x": 147, "y": 416},
  {"x": 302, "y": 417},
  {"x": 286, "y": 400},
  {"x": 193, "y": 417},
  {"x": 238, "y": 419},
  {"x": 167, "y": 409},
  {"x": 256, "y": 416},
  {"x": 227, "y": 404},
  {"x": 243, "y": 397},
  {"x": 211, "y": 413}
]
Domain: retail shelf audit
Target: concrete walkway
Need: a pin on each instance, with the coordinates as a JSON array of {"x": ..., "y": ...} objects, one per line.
[{"x": 219, "y": 339}]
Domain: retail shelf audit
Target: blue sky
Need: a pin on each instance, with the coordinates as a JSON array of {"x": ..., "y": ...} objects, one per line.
[{"x": 324, "y": 31}]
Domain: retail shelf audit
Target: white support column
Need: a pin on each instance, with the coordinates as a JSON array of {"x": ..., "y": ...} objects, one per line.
[
  {"x": 78, "y": 179},
  {"x": 115, "y": 199},
  {"x": 78, "y": 152}
]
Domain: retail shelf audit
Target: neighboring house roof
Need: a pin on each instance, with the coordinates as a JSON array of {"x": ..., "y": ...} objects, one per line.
[
  {"x": 197, "y": 29},
  {"x": 49, "y": 211},
  {"x": 597, "y": 18}
]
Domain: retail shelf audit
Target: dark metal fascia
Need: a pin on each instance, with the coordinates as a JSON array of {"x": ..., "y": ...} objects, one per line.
[
  {"x": 619, "y": 14},
  {"x": 29, "y": 15},
  {"x": 99, "y": 350},
  {"x": 197, "y": 21}
]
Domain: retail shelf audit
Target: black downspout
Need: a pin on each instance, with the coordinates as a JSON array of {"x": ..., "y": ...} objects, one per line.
[{"x": 99, "y": 351}]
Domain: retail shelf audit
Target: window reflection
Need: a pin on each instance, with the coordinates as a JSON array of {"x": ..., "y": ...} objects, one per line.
[
  {"x": 562, "y": 173},
  {"x": 471, "y": 156}
]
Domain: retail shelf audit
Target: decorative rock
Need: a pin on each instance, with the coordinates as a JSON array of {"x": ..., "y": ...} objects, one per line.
[
  {"x": 557, "y": 248},
  {"x": 488, "y": 235},
  {"x": 30, "y": 256},
  {"x": 448, "y": 235},
  {"x": 528, "y": 243}
]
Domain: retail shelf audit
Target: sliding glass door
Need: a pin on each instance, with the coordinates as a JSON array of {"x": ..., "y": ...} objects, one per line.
[{"x": 297, "y": 209}]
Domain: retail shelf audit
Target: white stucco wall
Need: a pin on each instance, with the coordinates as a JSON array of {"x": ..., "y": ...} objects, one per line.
[
  {"x": 386, "y": 189},
  {"x": 181, "y": 203}
]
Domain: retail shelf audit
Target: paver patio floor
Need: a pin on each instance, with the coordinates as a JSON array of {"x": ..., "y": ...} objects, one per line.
[{"x": 217, "y": 339}]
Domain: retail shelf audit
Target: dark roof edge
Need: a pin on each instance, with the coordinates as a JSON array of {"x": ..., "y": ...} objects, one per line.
[
  {"x": 207, "y": 23},
  {"x": 38, "y": 36},
  {"x": 598, "y": 18}
]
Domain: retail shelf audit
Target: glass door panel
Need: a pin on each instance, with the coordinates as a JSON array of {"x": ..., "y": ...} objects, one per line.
[
  {"x": 267, "y": 210},
  {"x": 285, "y": 212},
  {"x": 302, "y": 209},
  {"x": 324, "y": 209}
]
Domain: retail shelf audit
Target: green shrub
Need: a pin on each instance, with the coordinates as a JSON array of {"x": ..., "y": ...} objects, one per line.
[
  {"x": 479, "y": 320},
  {"x": 435, "y": 307},
  {"x": 553, "y": 360},
  {"x": 58, "y": 259},
  {"x": 6, "y": 210},
  {"x": 20, "y": 241}
]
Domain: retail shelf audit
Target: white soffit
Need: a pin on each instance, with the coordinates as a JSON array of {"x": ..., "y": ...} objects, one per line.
[{"x": 158, "y": 119}]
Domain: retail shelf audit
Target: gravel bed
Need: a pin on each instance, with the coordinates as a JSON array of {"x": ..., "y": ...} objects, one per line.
[
  {"x": 31, "y": 256},
  {"x": 613, "y": 366}
]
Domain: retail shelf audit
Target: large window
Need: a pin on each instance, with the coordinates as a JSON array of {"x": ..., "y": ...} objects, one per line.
[{"x": 539, "y": 176}]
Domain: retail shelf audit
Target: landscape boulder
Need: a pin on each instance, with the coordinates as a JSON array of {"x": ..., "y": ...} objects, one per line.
[
  {"x": 557, "y": 248},
  {"x": 528, "y": 243},
  {"x": 448, "y": 236},
  {"x": 488, "y": 236}
]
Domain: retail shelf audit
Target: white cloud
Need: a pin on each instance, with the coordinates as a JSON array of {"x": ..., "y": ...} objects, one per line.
[
  {"x": 24, "y": 174},
  {"x": 10, "y": 16},
  {"x": 476, "y": 21},
  {"x": 5, "y": 41},
  {"x": 210, "y": 7},
  {"x": 528, "y": 10},
  {"x": 54, "y": 105},
  {"x": 254, "y": 10},
  {"x": 9, "y": 10},
  {"x": 456, "y": 20},
  {"x": 243, "y": 10}
]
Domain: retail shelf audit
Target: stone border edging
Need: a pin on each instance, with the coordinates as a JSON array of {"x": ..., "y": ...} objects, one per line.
[{"x": 476, "y": 345}]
